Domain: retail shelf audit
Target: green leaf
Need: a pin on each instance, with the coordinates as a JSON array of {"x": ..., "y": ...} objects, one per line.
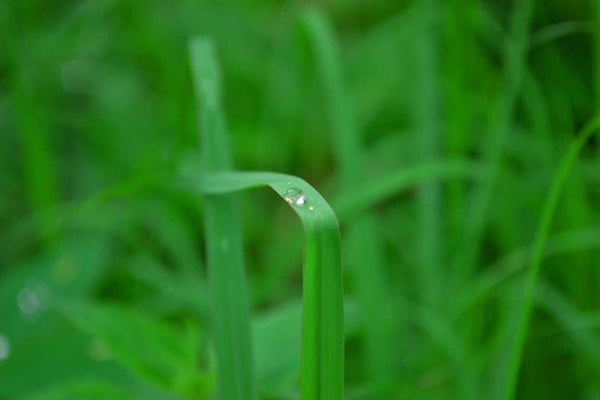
[{"x": 150, "y": 348}]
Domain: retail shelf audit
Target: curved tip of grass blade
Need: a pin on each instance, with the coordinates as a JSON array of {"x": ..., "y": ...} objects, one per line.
[
  {"x": 307, "y": 203},
  {"x": 322, "y": 369}
]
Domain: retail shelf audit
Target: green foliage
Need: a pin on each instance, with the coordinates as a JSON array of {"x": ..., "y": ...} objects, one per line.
[
  {"x": 449, "y": 137},
  {"x": 149, "y": 348}
]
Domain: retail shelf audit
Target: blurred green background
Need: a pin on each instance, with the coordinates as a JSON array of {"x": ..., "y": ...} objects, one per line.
[{"x": 102, "y": 281}]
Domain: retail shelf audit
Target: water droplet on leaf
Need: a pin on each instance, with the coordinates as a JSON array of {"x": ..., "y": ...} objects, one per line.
[{"x": 295, "y": 196}]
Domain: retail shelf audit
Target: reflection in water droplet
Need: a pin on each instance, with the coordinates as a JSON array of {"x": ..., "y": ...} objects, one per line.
[
  {"x": 4, "y": 347},
  {"x": 295, "y": 196},
  {"x": 311, "y": 208}
]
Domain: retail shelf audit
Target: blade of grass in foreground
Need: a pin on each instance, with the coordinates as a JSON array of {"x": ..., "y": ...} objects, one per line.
[
  {"x": 322, "y": 358},
  {"x": 524, "y": 312},
  {"x": 230, "y": 313},
  {"x": 364, "y": 246}
]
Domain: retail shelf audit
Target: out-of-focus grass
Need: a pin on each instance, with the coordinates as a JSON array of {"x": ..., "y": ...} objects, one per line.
[
  {"x": 222, "y": 227},
  {"x": 434, "y": 128}
]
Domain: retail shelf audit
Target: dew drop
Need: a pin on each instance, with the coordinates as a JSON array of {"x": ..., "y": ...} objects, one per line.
[
  {"x": 295, "y": 196},
  {"x": 311, "y": 208},
  {"x": 4, "y": 347}
]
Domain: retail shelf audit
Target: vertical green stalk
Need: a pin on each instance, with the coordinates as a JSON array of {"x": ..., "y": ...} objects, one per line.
[
  {"x": 501, "y": 116},
  {"x": 458, "y": 103},
  {"x": 523, "y": 313},
  {"x": 363, "y": 243},
  {"x": 493, "y": 146},
  {"x": 33, "y": 120},
  {"x": 596, "y": 36},
  {"x": 235, "y": 372},
  {"x": 428, "y": 117}
]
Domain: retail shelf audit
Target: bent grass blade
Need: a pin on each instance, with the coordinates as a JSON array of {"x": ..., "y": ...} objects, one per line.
[
  {"x": 322, "y": 365},
  {"x": 363, "y": 244},
  {"x": 322, "y": 358}
]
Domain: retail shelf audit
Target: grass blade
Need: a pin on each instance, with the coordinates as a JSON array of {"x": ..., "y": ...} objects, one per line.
[
  {"x": 364, "y": 246},
  {"x": 501, "y": 117},
  {"x": 39, "y": 162},
  {"x": 235, "y": 371},
  {"x": 524, "y": 313},
  {"x": 573, "y": 322},
  {"x": 458, "y": 103},
  {"x": 596, "y": 31},
  {"x": 277, "y": 340},
  {"x": 322, "y": 358},
  {"x": 497, "y": 274},
  {"x": 351, "y": 204},
  {"x": 152, "y": 349},
  {"x": 502, "y": 113},
  {"x": 344, "y": 128},
  {"x": 429, "y": 205}
]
